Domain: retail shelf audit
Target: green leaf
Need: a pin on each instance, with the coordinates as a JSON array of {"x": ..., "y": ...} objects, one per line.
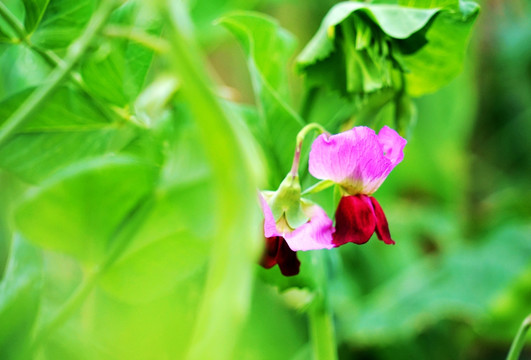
[
  {"x": 361, "y": 49},
  {"x": 442, "y": 58},
  {"x": 391, "y": 19},
  {"x": 154, "y": 329},
  {"x": 34, "y": 12},
  {"x": 68, "y": 128},
  {"x": 20, "y": 293},
  {"x": 61, "y": 23},
  {"x": 116, "y": 71},
  {"x": 87, "y": 201},
  {"x": 268, "y": 48},
  {"x": 26, "y": 70},
  {"x": 4, "y": 37},
  {"x": 155, "y": 269}
]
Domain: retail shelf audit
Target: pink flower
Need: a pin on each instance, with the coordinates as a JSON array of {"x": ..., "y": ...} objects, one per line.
[
  {"x": 359, "y": 161},
  {"x": 282, "y": 241}
]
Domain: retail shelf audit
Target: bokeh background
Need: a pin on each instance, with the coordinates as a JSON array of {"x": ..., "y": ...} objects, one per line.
[{"x": 456, "y": 285}]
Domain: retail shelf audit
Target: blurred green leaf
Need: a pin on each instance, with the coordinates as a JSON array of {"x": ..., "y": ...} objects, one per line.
[
  {"x": 116, "y": 71},
  {"x": 441, "y": 59},
  {"x": 463, "y": 284},
  {"x": 169, "y": 248},
  {"x": 61, "y": 23},
  {"x": 26, "y": 70},
  {"x": 4, "y": 37},
  {"x": 34, "y": 12},
  {"x": 205, "y": 12},
  {"x": 268, "y": 48},
  {"x": 158, "y": 328},
  {"x": 146, "y": 273},
  {"x": 20, "y": 293},
  {"x": 88, "y": 201},
  {"x": 68, "y": 128}
]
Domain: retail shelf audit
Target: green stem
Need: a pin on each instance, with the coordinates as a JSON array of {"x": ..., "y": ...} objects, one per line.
[
  {"x": 75, "y": 51},
  {"x": 322, "y": 332},
  {"x": 225, "y": 298},
  {"x": 140, "y": 37},
  {"x": 298, "y": 146},
  {"x": 13, "y": 22},
  {"x": 519, "y": 340},
  {"x": 318, "y": 187}
]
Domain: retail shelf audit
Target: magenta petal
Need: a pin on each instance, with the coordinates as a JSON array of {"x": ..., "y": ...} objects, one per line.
[
  {"x": 392, "y": 144},
  {"x": 382, "y": 227},
  {"x": 315, "y": 234},
  {"x": 357, "y": 159},
  {"x": 270, "y": 227},
  {"x": 355, "y": 220}
]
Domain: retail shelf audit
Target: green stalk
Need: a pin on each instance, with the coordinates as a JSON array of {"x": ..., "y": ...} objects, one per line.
[
  {"x": 519, "y": 340},
  {"x": 13, "y": 22},
  {"x": 225, "y": 298},
  {"x": 322, "y": 332},
  {"x": 140, "y": 37},
  {"x": 75, "y": 52},
  {"x": 318, "y": 187},
  {"x": 298, "y": 145}
]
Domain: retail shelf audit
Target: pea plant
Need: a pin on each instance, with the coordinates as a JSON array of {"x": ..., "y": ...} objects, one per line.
[{"x": 147, "y": 213}]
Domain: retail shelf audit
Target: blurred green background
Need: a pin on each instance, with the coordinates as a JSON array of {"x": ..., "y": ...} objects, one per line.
[{"x": 456, "y": 285}]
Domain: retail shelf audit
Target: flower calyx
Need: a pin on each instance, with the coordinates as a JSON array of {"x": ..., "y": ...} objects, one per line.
[{"x": 285, "y": 204}]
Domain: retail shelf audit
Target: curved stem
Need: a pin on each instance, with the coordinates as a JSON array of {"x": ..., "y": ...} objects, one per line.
[
  {"x": 75, "y": 51},
  {"x": 298, "y": 146},
  {"x": 519, "y": 340}
]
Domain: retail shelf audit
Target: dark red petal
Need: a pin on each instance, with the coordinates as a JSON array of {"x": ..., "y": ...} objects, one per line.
[
  {"x": 278, "y": 252},
  {"x": 355, "y": 220},
  {"x": 269, "y": 259},
  {"x": 382, "y": 227},
  {"x": 287, "y": 260}
]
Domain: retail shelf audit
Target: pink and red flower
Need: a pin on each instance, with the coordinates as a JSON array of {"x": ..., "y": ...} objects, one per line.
[
  {"x": 282, "y": 241},
  {"x": 359, "y": 161}
]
